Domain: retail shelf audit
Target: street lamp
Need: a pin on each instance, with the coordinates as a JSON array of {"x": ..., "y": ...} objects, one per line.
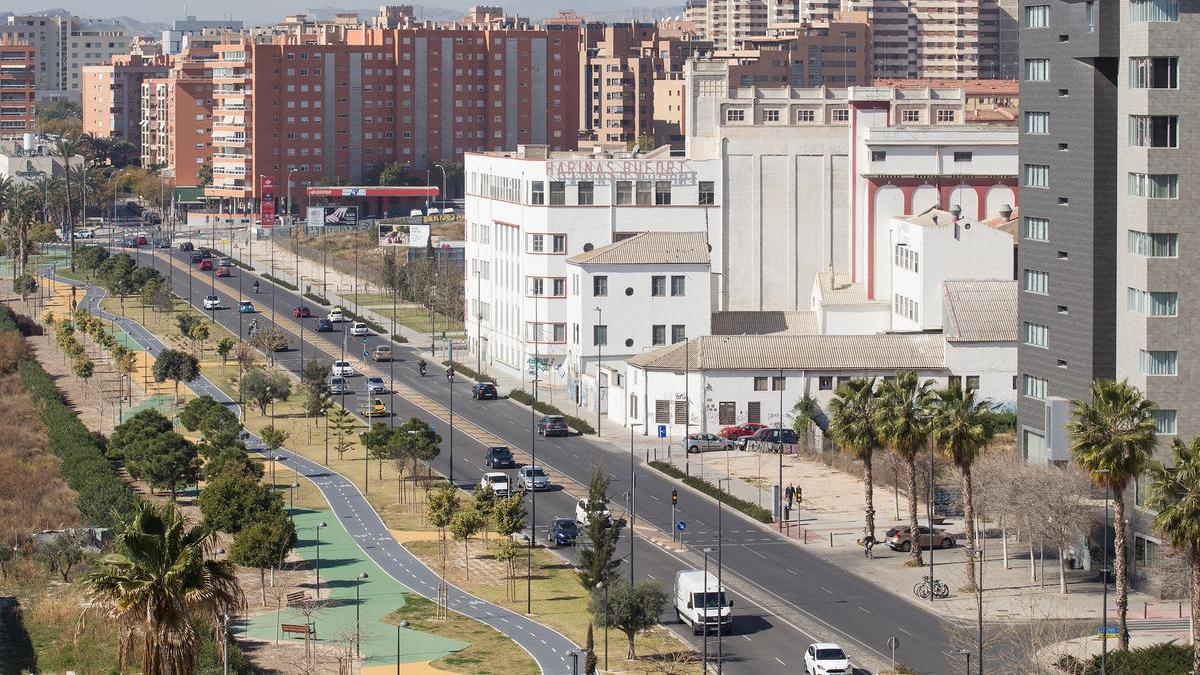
[
  {"x": 602, "y": 585},
  {"x": 599, "y": 356},
  {"x": 317, "y": 529},
  {"x": 289, "y": 193},
  {"x": 357, "y": 624},
  {"x": 966, "y": 653},
  {"x": 403, "y": 624},
  {"x": 443, "y": 184},
  {"x": 292, "y": 495},
  {"x": 704, "y": 609},
  {"x": 720, "y": 628}
]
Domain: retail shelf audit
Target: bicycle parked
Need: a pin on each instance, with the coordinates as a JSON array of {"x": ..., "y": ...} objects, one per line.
[{"x": 922, "y": 589}]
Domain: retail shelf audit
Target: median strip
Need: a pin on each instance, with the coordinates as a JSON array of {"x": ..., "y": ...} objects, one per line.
[{"x": 749, "y": 508}]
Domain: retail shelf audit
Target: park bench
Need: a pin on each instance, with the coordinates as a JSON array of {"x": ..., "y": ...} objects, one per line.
[
  {"x": 307, "y": 630},
  {"x": 296, "y": 598}
]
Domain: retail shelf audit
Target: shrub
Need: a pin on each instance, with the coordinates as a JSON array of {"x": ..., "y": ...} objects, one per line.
[
  {"x": 370, "y": 324},
  {"x": 579, "y": 424},
  {"x": 279, "y": 282},
  {"x": 749, "y": 508},
  {"x": 478, "y": 377},
  {"x": 400, "y": 339},
  {"x": 317, "y": 299},
  {"x": 1165, "y": 657}
]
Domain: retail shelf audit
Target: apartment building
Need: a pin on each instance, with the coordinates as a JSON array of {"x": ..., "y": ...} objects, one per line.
[
  {"x": 112, "y": 96},
  {"x": 178, "y": 37},
  {"x": 834, "y": 54},
  {"x": 726, "y": 23},
  {"x": 177, "y": 118},
  {"x": 18, "y": 87},
  {"x": 63, "y": 45},
  {"x": 316, "y": 109}
]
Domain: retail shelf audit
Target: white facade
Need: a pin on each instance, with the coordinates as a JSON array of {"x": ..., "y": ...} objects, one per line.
[{"x": 841, "y": 307}]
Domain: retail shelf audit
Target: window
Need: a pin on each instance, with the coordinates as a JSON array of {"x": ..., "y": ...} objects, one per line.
[
  {"x": 1154, "y": 72},
  {"x": 910, "y": 116},
  {"x": 1164, "y": 421},
  {"x": 1037, "y": 175},
  {"x": 1036, "y": 282},
  {"x": 1036, "y": 334},
  {"x": 599, "y": 335},
  {"x": 972, "y": 382},
  {"x": 841, "y": 114},
  {"x": 1153, "y": 303},
  {"x": 1147, "y": 553},
  {"x": 907, "y": 259},
  {"x": 1037, "y": 16},
  {"x": 662, "y": 411},
  {"x": 805, "y": 116},
  {"x": 587, "y": 192},
  {"x": 662, "y": 192},
  {"x": 1037, "y": 70},
  {"x": 1089, "y": 15},
  {"x": 644, "y": 196},
  {"x": 754, "y": 412},
  {"x": 963, "y": 156},
  {"x": 1037, "y": 122},
  {"x": 906, "y": 307},
  {"x": 1154, "y": 185},
  {"x": 708, "y": 195},
  {"x": 878, "y": 155},
  {"x": 658, "y": 286},
  {"x": 778, "y": 383},
  {"x": 558, "y": 243},
  {"x": 678, "y": 286},
  {"x": 624, "y": 192},
  {"x": 770, "y": 115},
  {"x": 825, "y": 383},
  {"x": 735, "y": 115},
  {"x": 1153, "y": 245},
  {"x": 681, "y": 412},
  {"x": 678, "y": 333},
  {"x": 600, "y": 286},
  {"x": 558, "y": 193},
  {"x": 1037, "y": 229},
  {"x": 1154, "y": 131},
  {"x": 1159, "y": 362},
  {"x": 1033, "y": 387},
  {"x": 726, "y": 413},
  {"x": 760, "y": 384},
  {"x": 658, "y": 335},
  {"x": 945, "y": 116},
  {"x": 1154, "y": 10}
]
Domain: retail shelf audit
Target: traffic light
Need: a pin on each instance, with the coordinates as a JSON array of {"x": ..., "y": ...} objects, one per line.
[{"x": 674, "y": 496}]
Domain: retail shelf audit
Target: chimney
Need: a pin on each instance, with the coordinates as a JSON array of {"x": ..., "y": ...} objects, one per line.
[{"x": 1006, "y": 211}]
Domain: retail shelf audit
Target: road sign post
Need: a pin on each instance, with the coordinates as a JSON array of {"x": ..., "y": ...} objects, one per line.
[
  {"x": 674, "y": 501},
  {"x": 680, "y": 526},
  {"x": 894, "y": 644}
]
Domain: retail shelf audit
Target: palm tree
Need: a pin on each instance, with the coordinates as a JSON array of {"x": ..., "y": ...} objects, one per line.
[
  {"x": 900, "y": 423},
  {"x": 95, "y": 147},
  {"x": 960, "y": 427},
  {"x": 7, "y": 192},
  {"x": 1175, "y": 495},
  {"x": 1113, "y": 438},
  {"x": 853, "y": 430},
  {"x": 22, "y": 212},
  {"x": 159, "y": 584},
  {"x": 67, "y": 149},
  {"x": 80, "y": 175}
]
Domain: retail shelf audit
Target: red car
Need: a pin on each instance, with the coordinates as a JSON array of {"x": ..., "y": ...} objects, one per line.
[
  {"x": 141, "y": 240},
  {"x": 301, "y": 312},
  {"x": 222, "y": 271},
  {"x": 743, "y": 430},
  {"x": 206, "y": 264}
]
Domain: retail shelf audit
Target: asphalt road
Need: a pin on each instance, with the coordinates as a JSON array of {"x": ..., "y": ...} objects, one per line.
[{"x": 801, "y": 597}]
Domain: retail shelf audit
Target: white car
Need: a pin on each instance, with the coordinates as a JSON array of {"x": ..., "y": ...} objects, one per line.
[
  {"x": 826, "y": 658},
  {"x": 581, "y": 513},
  {"x": 212, "y": 302},
  {"x": 85, "y": 234},
  {"x": 336, "y": 315},
  {"x": 343, "y": 369},
  {"x": 359, "y": 328},
  {"x": 498, "y": 480},
  {"x": 413, "y": 213}
]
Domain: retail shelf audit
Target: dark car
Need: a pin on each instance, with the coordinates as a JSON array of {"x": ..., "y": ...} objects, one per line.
[
  {"x": 301, "y": 312},
  {"x": 771, "y": 435},
  {"x": 484, "y": 391},
  {"x": 161, "y": 243},
  {"x": 205, "y": 253},
  {"x": 206, "y": 264},
  {"x": 197, "y": 257},
  {"x": 499, "y": 457},
  {"x": 186, "y": 246},
  {"x": 563, "y": 532},
  {"x": 324, "y": 326},
  {"x": 552, "y": 425}
]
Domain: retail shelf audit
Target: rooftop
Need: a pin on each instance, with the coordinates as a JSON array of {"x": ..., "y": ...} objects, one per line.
[
  {"x": 838, "y": 289},
  {"x": 764, "y": 323},
  {"x": 980, "y": 311},
  {"x": 799, "y": 352},
  {"x": 650, "y": 248}
]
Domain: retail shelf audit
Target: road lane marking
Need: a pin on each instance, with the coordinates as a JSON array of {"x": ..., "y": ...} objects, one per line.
[{"x": 781, "y": 662}]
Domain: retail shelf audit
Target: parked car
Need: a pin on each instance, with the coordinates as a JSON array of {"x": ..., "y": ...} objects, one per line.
[
  {"x": 338, "y": 385},
  {"x": 245, "y": 307},
  {"x": 484, "y": 391},
  {"x": 301, "y": 312},
  {"x": 163, "y": 244},
  {"x": 707, "y": 442},
  {"x": 186, "y": 246},
  {"x": 212, "y": 302},
  {"x": 206, "y": 264},
  {"x": 741, "y": 430},
  {"x": 359, "y": 328},
  {"x": 196, "y": 257},
  {"x": 552, "y": 425},
  {"x": 222, "y": 271},
  {"x": 336, "y": 315},
  {"x": 382, "y": 353},
  {"x": 85, "y": 234},
  {"x": 499, "y": 457},
  {"x": 562, "y": 532},
  {"x": 581, "y": 512},
  {"x": 900, "y": 538},
  {"x": 324, "y": 326},
  {"x": 343, "y": 369},
  {"x": 376, "y": 385},
  {"x": 532, "y": 479},
  {"x": 447, "y": 210},
  {"x": 498, "y": 480},
  {"x": 770, "y": 435},
  {"x": 433, "y": 211},
  {"x": 826, "y": 658}
]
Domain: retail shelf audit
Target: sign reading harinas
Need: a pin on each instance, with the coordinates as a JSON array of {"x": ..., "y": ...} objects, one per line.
[{"x": 674, "y": 170}]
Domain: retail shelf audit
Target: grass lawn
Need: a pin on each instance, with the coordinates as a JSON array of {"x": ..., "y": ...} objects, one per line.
[
  {"x": 44, "y": 640},
  {"x": 412, "y": 316},
  {"x": 487, "y": 655}
]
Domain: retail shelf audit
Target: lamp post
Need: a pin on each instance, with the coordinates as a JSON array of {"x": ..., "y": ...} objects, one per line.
[
  {"x": 357, "y": 623},
  {"x": 779, "y": 445},
  {"x": 602, "y": 585},
  {"x": 225, "y": 643},
  {"x": 929, "y": 513},
  {"x": 720, "y": 628},
  {"x": 317, "y": 529},
  {"x": 966, "y": 653},
  {"x": 599, "y": 356},
  {"x": 632, "y": 504},
  {"x": 444, "y": 182},
  {"x": 1104, "y": 580},
  {"x": 292, "y": 495},
  {"x": 403, "y": 624},
  {"x": 704, "y": 610},
  {"x": 289, "y": 193}
]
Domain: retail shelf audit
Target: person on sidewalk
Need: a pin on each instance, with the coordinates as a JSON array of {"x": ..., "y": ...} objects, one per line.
[
  {"x": 868, "y": 544},
  {"x": 789, "y": 494}
]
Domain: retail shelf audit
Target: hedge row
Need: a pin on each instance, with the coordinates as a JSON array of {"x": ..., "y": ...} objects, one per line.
[
  {"x": 239, "y": 263},
  {"x": 370, "y": 324},
  {"x": 578, "y": 423},
  {"x": 320, "y": 300},
  {"x": 400, "y": 339},
  {"x": 749, "y": 508},
  {"x": 279, "y": 282},
  {"x": 469, "y": 372}
]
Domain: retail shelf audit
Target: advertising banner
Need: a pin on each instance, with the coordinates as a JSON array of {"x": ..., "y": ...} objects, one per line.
[
  {"x": 339, "y": 216},
  {"x": 267, "y": 201},
  {"x": 412, "y": 236},
  {"x": 315, "y": 215}
]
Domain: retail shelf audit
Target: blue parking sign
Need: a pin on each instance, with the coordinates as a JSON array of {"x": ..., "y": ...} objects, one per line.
[
  {"x": 680, "y": 525},
  {"x": 662, "y": 431}
]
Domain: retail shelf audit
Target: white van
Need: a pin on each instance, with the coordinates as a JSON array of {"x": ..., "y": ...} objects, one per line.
[{"x": 700, "y": 601}]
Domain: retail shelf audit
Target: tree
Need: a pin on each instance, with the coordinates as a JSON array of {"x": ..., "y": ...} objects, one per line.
[
  {"x": 224, "y": 346},
  {"x": 631, "y": 609},
  {"x": 959, "y": 428},
  {"x": 484, "y": 499},
  {"x": 341, "y": 425},
  {"x": 269, "y": 341},
  {"x": 84, "y": 369},
  {"x": 60, "y": 554},
  {"x": 1058, "y": 496},
  {"x": 264, "y": 544},
  {"x": 590, "y": 661},
  {"x": 899, "y": 420},
  {"x": 1113, "y": 438},
  {"x": 264, "y": 388},
  {"x": 466, "y": 524},
  {"x": 415, "y": 442},
  {"x": 232, "y": 501},
  {"x": 67, "y": 149},
  {"x": 138, "y": 431},
  {"x": 1175, "y": 496},
  {"x": 315, "y": 374},
  {"x": 377, "y": 442},
  {"x": 25, "y": 286},
  {"x": 396, "y": 174},
  {"x": 162, "y": 588},
  {"x": 168, "y": 462},
  {"x": 156, "y": 294},
  {"x": 272, "y": 438},
  {"x": 185, "y": 322},
  {"x": 231, "y": 459},
  {"x": 176, "y": 366},
  {"x": 507, "y": 553},
  {"x": 440, "y": 507},
  {"x": 205, "y": 174},
  {"x": 208, "y": 416},
  {"x": 508, "y": 518},
  {"x": 853, "y": 429},
  {"x": 596, "y": 562},
  {"x": 199, "y": 333}
]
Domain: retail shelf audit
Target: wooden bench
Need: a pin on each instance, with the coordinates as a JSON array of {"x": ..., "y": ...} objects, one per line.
[
  {"x": 296, "y": 598},
  {"x": 307, "y": 630}
]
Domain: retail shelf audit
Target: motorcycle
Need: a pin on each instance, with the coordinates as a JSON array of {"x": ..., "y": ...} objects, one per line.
[
  {"x": 449, "y": 374},
  {"x": 256, "y": 287},
  {"x": 422, "y": 369}
]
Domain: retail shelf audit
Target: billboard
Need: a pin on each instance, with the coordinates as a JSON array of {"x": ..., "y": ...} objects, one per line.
[
  {"x": 412, "y": 236},
  {"x": 315, "y": 215},
  {"x": 335, "y": 216},
  {"x": 267, "y": 200}
]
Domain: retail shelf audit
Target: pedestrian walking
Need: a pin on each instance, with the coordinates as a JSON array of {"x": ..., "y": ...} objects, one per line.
[
  {"x": 789, "y": 494},
  {"x": 868, "y": 544}
]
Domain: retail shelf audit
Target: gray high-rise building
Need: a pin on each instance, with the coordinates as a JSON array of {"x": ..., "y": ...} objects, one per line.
[{"x": 1106, "y": 212}]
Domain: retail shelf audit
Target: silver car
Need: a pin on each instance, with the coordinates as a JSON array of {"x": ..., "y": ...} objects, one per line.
[
  {"x": 532, "y": 478},
  {"x": 338, "y": 385},
  {"x": 707, "y": 442}
]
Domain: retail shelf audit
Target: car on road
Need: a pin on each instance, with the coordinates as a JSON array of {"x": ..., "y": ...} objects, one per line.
[
  {"x": 162, "y": 243},
  {"x": 498, "y": 480},
  {"x": 343, "y": 369},
  {"x": 141, "y": 240},
  {"x": 129, "y": 243},
  {"x": 382, "y": 353},
  {"x": 707, "y": 442},
  {"x": 826, "y": 658},
  {"x": 359, "y": 328},
  {"x": 372, "y": 407},
  {"x": 552, "y": 425},
  {"x": 206, "y": 264},
  {"x": 338, "y": 385},
  {"x": 225, "y": 262},
  {"x": 376, "y": 385},
  {"x": 562, "y": 532},
  {"x": 499, "y": 457},
  {"x": 770, "y": 435},
  {"x": 205, "y": 253},
  {"x": 324, "y": 326},
  {"x": 222, "y": 271},
  {"x": 196, "y": 257},
  {"x": 741, "y": 430},
  {"x": 245, "y": 307},
  {"x": 532, "y": 479},
  {"x": 301, "y": 312},
  {"x": 581, "y": 512},
  {"x": 899, "y": 538},
  {"x": 186, "y": 246},
  {"x": 700, "y": 601},
  {"x": 336, "y": 315},
  {"x": 212, "y": 302},
  {"x": 484, "y": 391},
  {"x": 85, "y": 234}
]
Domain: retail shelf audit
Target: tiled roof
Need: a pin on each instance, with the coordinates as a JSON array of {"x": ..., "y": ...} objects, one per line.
[
  {"x": 764, "y": 323},
  {"x": 980, "y": 311},
  {"x": 799, "y": 352},
  {"x": 650, "y": 248}
]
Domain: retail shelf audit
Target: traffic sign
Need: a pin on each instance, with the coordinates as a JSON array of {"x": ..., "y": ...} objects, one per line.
[
  {"x": 662, "y": 431},
  {"x": 893, "y": 643},
  {"x": 680, "y": 525}
]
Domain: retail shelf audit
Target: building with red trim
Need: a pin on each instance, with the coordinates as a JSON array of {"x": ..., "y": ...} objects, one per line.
[{"x": 18, "y": 87}]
